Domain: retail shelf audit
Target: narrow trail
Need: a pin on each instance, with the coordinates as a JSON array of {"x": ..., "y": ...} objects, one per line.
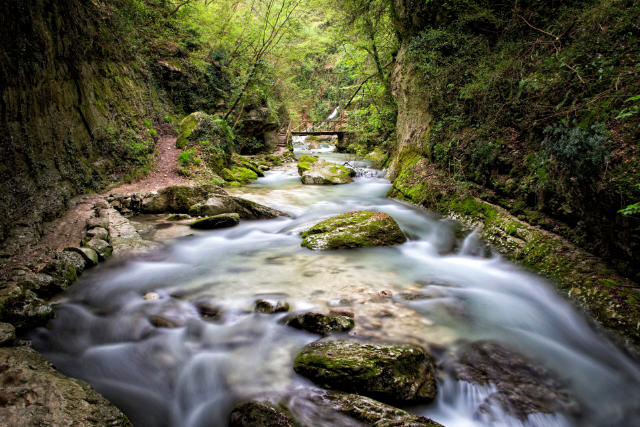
[{"x": 166, "y": 173}]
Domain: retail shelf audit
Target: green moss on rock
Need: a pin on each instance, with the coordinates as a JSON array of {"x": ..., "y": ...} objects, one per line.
[
  {"x": 385, "y": 372},
  {"x": 353, "y": 230},
  {"x": 217, "y": 221},
  {"x": 322, "y": 324}
]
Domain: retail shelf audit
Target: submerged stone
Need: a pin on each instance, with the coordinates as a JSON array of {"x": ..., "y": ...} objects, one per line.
[
  {"x": 386, "y": 372},
  {"x": 217, "y": 221},
  {"x": 271, "y": 307},
  {"x": 322, "y": 324},
  {"x": 353, "y": 230}
]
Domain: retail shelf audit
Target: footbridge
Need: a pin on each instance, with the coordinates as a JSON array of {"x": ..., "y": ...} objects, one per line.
[{"x": 318, "y": 127}]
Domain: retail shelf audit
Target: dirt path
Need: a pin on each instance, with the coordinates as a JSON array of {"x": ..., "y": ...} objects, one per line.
[{"x": 166, "y": 173}]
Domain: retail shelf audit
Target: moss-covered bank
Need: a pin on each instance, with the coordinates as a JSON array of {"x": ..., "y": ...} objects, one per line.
[{"x": 612, "y": 300}]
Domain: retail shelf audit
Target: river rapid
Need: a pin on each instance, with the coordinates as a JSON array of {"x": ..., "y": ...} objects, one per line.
[{"x": 193, "y": 375}]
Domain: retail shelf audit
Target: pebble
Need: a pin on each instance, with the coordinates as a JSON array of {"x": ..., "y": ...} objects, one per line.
[
  {"x": 151, "y": 295},
  {"x": 341, "y": 312},
  {"x": 385, "y": 294}
]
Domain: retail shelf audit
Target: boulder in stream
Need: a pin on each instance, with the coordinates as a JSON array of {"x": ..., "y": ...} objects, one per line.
[
  {"x": 316, "y": 171},
  {"x": 221, "y": 204},
  {"x": 353, "y": 230},
  {"x": 34, "y": 393},
  {"x": 523, "y": 385},
  {"x": 385, "y": 372},
  {"x": 216, "y": 221},
  {"x": 271, "y": 307},
  {"x": 179, "y": 198},
  {"x": 322, "y": 324}
]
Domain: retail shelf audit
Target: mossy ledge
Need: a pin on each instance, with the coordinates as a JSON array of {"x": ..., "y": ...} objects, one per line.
[{"x": 610, "y": 299}]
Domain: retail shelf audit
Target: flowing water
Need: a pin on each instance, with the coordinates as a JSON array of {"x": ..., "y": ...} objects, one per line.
[{"x": 193, "y": 375}]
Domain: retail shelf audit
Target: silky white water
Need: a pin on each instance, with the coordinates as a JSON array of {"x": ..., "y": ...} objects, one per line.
[{"x": 194, "y": 375}]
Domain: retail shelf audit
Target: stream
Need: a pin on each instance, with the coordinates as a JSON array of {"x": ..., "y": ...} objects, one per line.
[{"x": 193, "y": 375}]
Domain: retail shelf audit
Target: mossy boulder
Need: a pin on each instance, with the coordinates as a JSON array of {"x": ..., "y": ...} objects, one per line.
[
  {"x": 369, "y": 412},
  {"x": 260, "y": 414},
  {"x": 378, "y": 157},
  {"x": 23, "y": 309},
  {"x": 248, "y": 164},
  {"x": 316, "y": 171},
  {"x": 385, "y": 372},
  {"x": 322, "y": 324},
  {"x": 271, "y": 307},
  {"x": 211, "y": 132},
  {"x": 238, "y": 174},
  {"x": 90, "y": 256},
  {"x": 101, "y": 247},
  {"x": 216, "y": 221},
  {"x": 353, "y": 230}
]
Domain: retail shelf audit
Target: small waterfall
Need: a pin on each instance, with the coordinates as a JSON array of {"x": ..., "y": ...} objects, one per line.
[{"x": 334, "y": 114}]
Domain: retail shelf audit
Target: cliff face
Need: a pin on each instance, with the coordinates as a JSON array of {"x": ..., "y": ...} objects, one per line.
[
  {"x": 491, "y": 107},
  {"x": 60, "y": 93}
]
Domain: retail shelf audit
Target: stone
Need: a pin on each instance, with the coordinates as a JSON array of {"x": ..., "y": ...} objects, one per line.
[
  {"x": 385, "y": 372},
  {"x": 271, "y": 307},
  {"x": 367, "y": 411},
  {"x": 38, "y": 283},
  {"x": 179, "y": 217},
  {"x": 523, "y": 385},
  {"x": 34, "y": 393},
  {"x": 161, "y": 322},
  {"x": 23, "y": 309},
  {"x": 260, "y": 414},
  {"x": 125, "y": 239},
  {"x": 98, "y": 232},
  {"x": 264, "y": 168},
  {"x": 7, "y": 335},
  {"x": 89, "y": 255},
  {"x": 101, "y": 204},
  {"x": 102, "y": 248},
  {"x": 102, "y": 222},
  {"x": 322, "y": 324},
  {"x": 340, "y": 311},
  {"x": 64, "y": 269},
  {"x": 353, "y": 230},
  {"x": 239, "y": 174},
  {"x": 247, "y": 209},
  {"x": 151, "y": 296},
  {"x": 216, "y": 221},
  {"x": 179, "y": 198},
  {"x": 315, "y": 171}
]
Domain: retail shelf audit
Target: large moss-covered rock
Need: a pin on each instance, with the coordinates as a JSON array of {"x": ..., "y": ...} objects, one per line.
[
  {"x": 35, "y": 394},
  {"x": 369, "y": 412},
  {"x": 179, "y": 198},
  {"x": 217, "y": 221},
  {"x": 221, "y": 204},
  {"x": 22, "y": 308},
  {"x": 386, "y": 372},
  {"x": 64, "y": 270},
  {"x": 260, "y": 414},
  {"x": 322, "y": 324},
  {"x": 315, "y": 171},
  {"x": 353, "y": 230}
]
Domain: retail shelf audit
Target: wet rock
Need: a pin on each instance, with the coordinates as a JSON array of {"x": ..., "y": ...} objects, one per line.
[
  {"x": 524, "y": 386},
  {"x": 247, "y": 209},
  {"x": 89, "y": 255},
  {"x": 259, "y": 414},
  {"x": 162, "y": 322},
  {"x": 315, "y": 171},
  {"x": 23, "y": 309},
  {"x": 216, "y": 221},
  {"x": 151, "y": 296},
  {"x": 35, "y": 394},
  {"x": 179, "y": 198},
  {"x": 353, "y": 230},
  {"x": 339, "y": 311},
  {"x": 102, "y": 248},
  {"x": 386, "y": 372},
  {"x": 98, "y": 232},
  {"x": 125, "y": 239},
  {"x": 179, "y": 217},
  {"x": 101, "y": 222},
  {"x": 271, "y": 307},
  {"x": 264, "y": 168},
  {"x": 38, "y": 283},
  {"x": 64, "y": 271},
  {"x": 339, "y": 302},
  {"x": 322, "y": 324},
  {"x": 385, "y": 294},
  {"x": 368, "y": 411},
  {"x": 7, "y": 335},
  {"x": 208, "y": 310}
]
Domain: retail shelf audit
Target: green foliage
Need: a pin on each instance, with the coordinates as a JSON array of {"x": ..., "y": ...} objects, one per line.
[
  {"x": 631, "y": 209},
  {"x": 188, "y": 157},
  {"x": 577, "y": 155}
]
